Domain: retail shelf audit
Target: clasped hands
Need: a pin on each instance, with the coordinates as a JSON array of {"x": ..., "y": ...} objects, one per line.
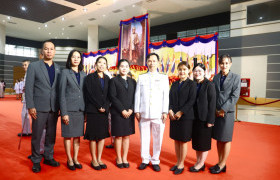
[
  {"x": 176, "y": 116},
  {"x": 126, "y": 114}
]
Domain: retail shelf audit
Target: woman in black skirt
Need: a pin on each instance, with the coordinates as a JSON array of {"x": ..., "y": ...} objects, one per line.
[
  {"x": 204, "y": 111},
  {"x": 72, "y": 106},
  {"x": 121, "y": 91},
  {"x": 97, "y": 108},
  {"x": 181, "y": 100}
]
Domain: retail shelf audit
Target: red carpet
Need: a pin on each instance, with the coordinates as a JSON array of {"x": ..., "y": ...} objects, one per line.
[{"x": 254, "y": 154}]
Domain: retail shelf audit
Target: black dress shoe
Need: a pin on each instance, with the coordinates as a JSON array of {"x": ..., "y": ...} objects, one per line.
[
  {"x": 173, "y": 168},
  {"x": 142, "y": 166},
  {"x": 19, "y": 134},
  {"x": 119, "y": 165},
  {"x": 218, "y": 170},
  {"x": 111, "y": 146},
  {"x": 29, "y": 157},
  {"x": 213, "y": 167},
  {"x": 156, "y": 167},
  {"x": 78, "y": 166},
  {"x": 71, "y": 167},
  {"x": 36, "y": 167},
  {"x": 103, "y": 166},
  {"x": 126, "y": 165},
  {"x": 192, "y": 169},
  {"x": 178, "y": 171},
  {"x": 51, "y": 162},
  {"x": 29, "y": 134},
  {"x": 95, "y": 167}
]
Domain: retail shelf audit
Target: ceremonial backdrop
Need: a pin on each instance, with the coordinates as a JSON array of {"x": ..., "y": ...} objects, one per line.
[
  {"x": 199, "y": 49},
  {"x": 133, "y": 45},
  {"x": 90, "y": 58}
]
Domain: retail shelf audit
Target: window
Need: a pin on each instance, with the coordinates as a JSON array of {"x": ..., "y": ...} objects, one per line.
[
  {"x": 21, "y": 51},
  {"x": 158, "y": 38},
  {"x": 264, "y": 12}
]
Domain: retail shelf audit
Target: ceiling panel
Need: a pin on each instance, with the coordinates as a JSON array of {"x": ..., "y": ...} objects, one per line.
[
  {"x": 35, "y": 10},
  {"x": 81, "y": 2}
]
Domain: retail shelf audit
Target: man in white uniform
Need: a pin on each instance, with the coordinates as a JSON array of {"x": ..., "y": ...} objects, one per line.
[
  {"x": 26, "y": 130},
  {"x": 151, "y": 107}
]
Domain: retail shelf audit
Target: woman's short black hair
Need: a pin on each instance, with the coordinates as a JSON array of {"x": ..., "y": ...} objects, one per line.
[
  {"x": 69, "y": 63},
  {"x": 153, "y": 54},
  {"x": 202, "y": 66},
  {"x": 184, "y": 63},
  {"x": 121, "y": 61},
  {"x": 223, "y": 56},
  {"x": 101, "y": 57}
]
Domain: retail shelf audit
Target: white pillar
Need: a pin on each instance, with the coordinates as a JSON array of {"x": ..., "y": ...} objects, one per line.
[
  {"x": 2, "y": 38},
  {"x": 93, "y": 42}
]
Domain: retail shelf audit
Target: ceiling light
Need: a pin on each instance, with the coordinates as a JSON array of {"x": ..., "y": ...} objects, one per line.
[
  {"x": 81, "y": 23},
  {"x": 62, "y": 18},
  {"x": 85, "y": 9},
  {"x": 67, "y": 37},
  {"x": 46, "y": 25},
  {"x": 39, "y": 27},
  {"x": 9, "y": 17},
  {"x": 55, "y": 37},
  {"x": 103, "y": 15},
  {"x": 50, "y": 33},
  {"x": 62, "y": 34},
  {"x": 4, "y": 21},
  {"x": 133, "y": 5},
  {"x": 62, "y": 29},
  {"x": 23, "y": 8},
  {"x": 261, "y": 18}
]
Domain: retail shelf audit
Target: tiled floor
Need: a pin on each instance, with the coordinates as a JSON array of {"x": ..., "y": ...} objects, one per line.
[{"x": 259, "y": 114}]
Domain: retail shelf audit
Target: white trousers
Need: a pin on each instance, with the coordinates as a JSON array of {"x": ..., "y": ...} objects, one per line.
[
  {"x": 25, "y": 120},
  {"x": 157, "y": 128}
]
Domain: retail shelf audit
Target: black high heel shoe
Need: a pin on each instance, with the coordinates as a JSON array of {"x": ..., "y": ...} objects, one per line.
[
  {"x": 218, "y": 170},
  {"x": 213, "y": 167},
  {"x": 173, "y": 168},
  {"x": 192, "y": 169},
  {"x": 95, "y": 167},
  {"x": 178, "y": 171},
  {"x": 72, "y": 168},
  {"x": 119, "y": 165},
  {"x": 78, "y": 166},
  {"x": 126, "y": 165}
]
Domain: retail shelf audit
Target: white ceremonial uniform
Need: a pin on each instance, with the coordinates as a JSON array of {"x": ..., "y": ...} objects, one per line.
[
  {"x": 151, "y": 100},
  {"x": 21, "y": 86},
  {"x": 24, "y": 113},
  {"x": 16, "y": 88}
]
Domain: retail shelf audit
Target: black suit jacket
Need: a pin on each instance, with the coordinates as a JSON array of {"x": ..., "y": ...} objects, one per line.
[
  {"x": 95, "y": 96},
  {"x": 121, "y": 98},
  {"x": 205, "y": 105},
  {"x": 184, "y": 99}
]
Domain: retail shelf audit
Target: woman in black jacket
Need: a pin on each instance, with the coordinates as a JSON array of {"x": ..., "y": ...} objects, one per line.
[
  {"x": 204, "y": 111},
  {"x": 122, "y": 89},
  {"x": 97, "y": 108},
  {"x": 182, "y": 97}
]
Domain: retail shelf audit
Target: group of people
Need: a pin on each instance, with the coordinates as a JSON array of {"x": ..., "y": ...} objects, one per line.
[
  {"x": 198, "y": 110},
  {"x": 19, "y": 88}
]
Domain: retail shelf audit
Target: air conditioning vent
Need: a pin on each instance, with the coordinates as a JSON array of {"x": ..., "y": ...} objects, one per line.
[{"x": 117, "y": 11}]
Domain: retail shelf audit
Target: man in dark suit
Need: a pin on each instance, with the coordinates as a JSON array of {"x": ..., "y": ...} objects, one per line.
[{"x": 42, "y": 102}]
